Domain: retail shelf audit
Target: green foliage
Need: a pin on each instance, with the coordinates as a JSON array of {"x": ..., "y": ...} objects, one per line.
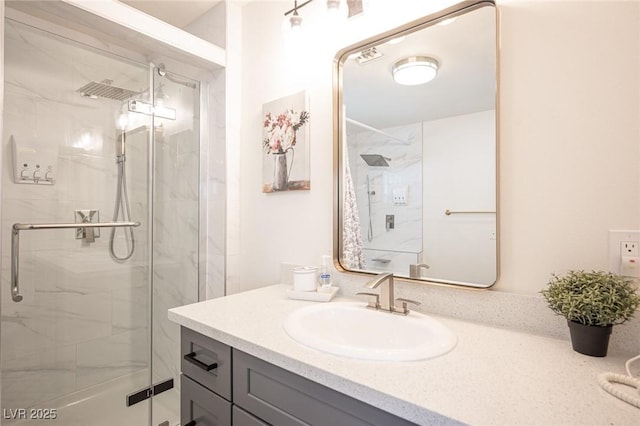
[
  {"x": 304, "y": 117},
  {"x": 592, "y": 298}
]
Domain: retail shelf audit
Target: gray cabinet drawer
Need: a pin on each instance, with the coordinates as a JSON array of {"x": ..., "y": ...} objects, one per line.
[
  {"x": 200, "y": 405},
  {"x": 242, "y": 418},
  {"x": 282, "y": 398},
  {"x": 206, "y": 361}
]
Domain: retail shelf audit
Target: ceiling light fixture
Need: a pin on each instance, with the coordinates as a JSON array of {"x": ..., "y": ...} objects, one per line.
[
  {"x": 415, "y": 70},
  {"x": 296, "y": 20},
  {"x": 334, "y": 7}
]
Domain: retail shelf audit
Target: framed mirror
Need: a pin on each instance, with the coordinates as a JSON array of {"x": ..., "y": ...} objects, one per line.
[{"x": 415, "y": 130}]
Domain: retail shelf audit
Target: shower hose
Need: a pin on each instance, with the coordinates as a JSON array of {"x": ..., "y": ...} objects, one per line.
[
  {"x": 369, "y": 194},
  {"x": 607, "y": 380},
  {"x": 122, "y": 206}
]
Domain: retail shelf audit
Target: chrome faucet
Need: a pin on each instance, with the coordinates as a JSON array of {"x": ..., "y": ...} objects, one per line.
[
  {"x": 415, "y": 268},
  {"x": 385, "y": 282},
  {"x": 386, "y": 301}
]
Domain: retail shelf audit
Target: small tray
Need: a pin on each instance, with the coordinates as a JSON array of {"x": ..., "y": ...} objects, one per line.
[{"x": 314, "y": 296}]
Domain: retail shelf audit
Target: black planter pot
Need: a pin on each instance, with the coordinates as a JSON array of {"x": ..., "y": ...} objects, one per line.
[{"x": 590, "y": 340}]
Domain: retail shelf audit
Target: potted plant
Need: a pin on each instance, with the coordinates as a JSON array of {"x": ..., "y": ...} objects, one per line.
[{"x": 592, "y": 302}]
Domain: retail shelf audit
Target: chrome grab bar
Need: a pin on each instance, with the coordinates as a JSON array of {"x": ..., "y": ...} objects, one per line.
[
  {"x": 15, "y": 243},
  {"x": 31, "y": 226},
  {"x": 450, "y": 212}
]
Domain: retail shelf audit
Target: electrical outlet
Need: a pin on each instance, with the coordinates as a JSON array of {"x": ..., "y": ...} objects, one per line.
[
  {"x": 623, "y": 245},
  {"x": 629, "y": 248}
]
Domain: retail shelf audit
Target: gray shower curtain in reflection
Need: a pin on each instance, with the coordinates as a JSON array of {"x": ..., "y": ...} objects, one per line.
[{"x": 351, "y": 237}]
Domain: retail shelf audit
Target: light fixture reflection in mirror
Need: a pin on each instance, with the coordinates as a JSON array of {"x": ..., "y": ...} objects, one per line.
[
  {"x": 441, "y": 139},
  {"x": 415, "y": 70}
]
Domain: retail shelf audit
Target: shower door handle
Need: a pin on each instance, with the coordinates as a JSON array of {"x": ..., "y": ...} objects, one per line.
[
  {"x": 15, "y": 259},
  {"x": 15, "y": 244}
]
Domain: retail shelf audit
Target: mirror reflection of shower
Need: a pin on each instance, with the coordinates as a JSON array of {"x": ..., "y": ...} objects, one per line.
[
  {"x": 370, "y": 193},
  {"x": 376, "y": 160},
  {"x": 373, "y": 160}
]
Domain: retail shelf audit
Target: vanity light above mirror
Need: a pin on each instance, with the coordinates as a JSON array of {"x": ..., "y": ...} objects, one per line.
[
  {"x": 336, "y": 9},
  {"x": 416, "y": 187}
]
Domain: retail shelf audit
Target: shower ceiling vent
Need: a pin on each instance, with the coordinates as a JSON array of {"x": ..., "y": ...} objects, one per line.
[
  {"x": 368, "y": 55},
  {"x": 104, "y": 89}
]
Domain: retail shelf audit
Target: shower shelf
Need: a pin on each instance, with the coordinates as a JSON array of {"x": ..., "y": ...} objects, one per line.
[{"x": 15, "y": 243}]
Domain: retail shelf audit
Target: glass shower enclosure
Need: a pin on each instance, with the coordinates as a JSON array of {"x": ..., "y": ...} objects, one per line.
[{"x": 92, "y": 138}]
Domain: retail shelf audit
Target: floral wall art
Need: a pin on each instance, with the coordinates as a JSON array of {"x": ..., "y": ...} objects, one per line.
[{"x": 285, "y": 143}]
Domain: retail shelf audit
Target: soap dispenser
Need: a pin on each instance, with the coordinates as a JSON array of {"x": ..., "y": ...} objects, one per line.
[{"x": 324, "y": 278}]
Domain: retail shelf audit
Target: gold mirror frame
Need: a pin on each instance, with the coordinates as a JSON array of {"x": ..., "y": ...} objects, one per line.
[{"x": 339, "y": 129}]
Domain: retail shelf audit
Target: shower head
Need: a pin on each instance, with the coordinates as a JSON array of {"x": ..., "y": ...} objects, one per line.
[
  {"x": 104, "y": 89},
  {"x": 376, "y": 160}
]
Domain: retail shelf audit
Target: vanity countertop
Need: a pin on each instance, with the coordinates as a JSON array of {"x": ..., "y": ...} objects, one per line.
[{"x": 494, "y": 376}]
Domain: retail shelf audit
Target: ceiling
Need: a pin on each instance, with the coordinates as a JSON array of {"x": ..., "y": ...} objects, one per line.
[
  {"x": 179, "y": 13},
  {"x": 85, "y": 22},
  {"x": 466, "y": 80}
]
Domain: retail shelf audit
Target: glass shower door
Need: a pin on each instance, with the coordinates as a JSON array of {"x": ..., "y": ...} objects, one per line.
[
  {"x": 91, "y": 336},
  {"x": 176, "y": 183},
  {"x": 79, "y": 341}
]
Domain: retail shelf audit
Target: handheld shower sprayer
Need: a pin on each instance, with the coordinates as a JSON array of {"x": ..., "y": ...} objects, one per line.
[
  {"x": 120, "y": 145},
  {"x": 370, "y": 192},
  {"x": 122, "y": 202}
]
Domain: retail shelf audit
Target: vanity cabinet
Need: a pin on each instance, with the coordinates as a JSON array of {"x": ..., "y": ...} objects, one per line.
[
  {"x": 199, "y": 406},
  {"x": 205, "y": 382},
  {"x": 225, "y": 386}
]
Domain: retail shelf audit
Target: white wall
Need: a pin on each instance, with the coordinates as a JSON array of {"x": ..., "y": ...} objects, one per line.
[
  {"x": 460, "y": 168},
  {"x": 569, "y": 155},
  {"x": 569, "y": 151}
]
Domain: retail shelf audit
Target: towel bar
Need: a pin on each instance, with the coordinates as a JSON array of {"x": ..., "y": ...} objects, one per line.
[{"x": 15, "y": 243}]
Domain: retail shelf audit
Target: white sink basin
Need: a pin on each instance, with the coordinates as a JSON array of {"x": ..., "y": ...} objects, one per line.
[{"x": 351, "y": 330}]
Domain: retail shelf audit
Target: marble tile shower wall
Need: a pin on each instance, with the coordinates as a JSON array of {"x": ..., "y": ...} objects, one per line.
[
  {"x": 83, "y": 319},
  {"x": 217, "y": 187},
  {"x": 402, "y": 244},
  {"x": 175, "y": 243}
]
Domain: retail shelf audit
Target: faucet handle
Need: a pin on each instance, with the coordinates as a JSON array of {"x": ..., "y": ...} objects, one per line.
[
  {"x": 405, "y": 310},
  {"x": 372, "y": 305}
]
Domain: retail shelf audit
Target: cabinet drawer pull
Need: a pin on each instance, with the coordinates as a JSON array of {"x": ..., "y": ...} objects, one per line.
[
  {"x": 191, "y": 357},
  {"x": 192, "y": 422}
]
